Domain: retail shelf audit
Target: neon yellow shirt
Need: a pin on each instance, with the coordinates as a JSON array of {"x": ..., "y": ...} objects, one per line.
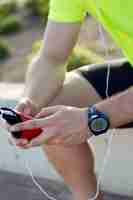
[{"x": 115, "y": 15}]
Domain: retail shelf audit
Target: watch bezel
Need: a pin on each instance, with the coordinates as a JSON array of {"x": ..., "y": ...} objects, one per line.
[
  {"x": 94, "y": 114},
  {"x": 100, "y": 131}
]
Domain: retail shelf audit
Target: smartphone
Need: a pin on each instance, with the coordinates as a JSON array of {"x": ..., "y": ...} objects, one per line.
[{"x": 13, "y": 117}]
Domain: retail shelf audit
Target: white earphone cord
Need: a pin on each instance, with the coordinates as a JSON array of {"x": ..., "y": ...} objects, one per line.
[
  {"x": 110, "y": 133},
  {"x": 26, "y": 164},
  {"x": 110, "y": 138}
]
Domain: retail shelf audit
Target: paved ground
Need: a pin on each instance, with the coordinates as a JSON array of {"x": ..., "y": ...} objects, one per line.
[{"x": 14, "y": 186}]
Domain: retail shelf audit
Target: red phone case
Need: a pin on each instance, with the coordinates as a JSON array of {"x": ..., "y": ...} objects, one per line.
[{"x": 29, "y": 134}]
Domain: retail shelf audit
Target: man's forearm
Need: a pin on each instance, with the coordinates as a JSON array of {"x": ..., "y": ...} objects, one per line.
[
  {"x": 119, "y": 108},
  {"x": 44, "y": 79},
  {"x": 46, "y": 73}
]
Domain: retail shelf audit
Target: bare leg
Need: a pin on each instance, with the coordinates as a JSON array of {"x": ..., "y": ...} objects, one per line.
[{"x": 75, "y": 164}]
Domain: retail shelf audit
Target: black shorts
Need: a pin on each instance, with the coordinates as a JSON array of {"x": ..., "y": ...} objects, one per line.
[{"x": 120, "y": 79}]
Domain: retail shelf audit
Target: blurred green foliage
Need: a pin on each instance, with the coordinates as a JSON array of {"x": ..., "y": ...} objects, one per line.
[
  {"x": 10, "y": 24},
  {"x": 4, "y": 50},
  {"x": 7, "y": 7},
  {"x": 80, "y": 56},
  {"x": 38, "y": 8}
]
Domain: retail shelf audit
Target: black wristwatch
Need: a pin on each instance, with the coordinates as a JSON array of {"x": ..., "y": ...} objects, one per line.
[{"x": 98, "y": 122}]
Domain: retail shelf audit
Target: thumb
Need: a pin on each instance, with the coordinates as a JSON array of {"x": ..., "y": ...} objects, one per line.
[
  {"x": 44, "y": 138},
  {"x": 24, "y": 106}
]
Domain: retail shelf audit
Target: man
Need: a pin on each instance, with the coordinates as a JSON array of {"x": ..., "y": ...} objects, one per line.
[{"x": 47, "y": 84}]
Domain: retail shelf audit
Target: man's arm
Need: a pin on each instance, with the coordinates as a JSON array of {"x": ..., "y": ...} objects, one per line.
[
  {"x": 58, "y": 120},
  {"x": 119, "y": 108},
  {"x": 46, "y": 73}
]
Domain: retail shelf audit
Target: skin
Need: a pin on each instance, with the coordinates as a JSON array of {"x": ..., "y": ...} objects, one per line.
[
  {"x": 79, "y": 176},
  {"x": 58, "y": 121},
  {"x": 51, "y": 61},
  {"x": 65, "y": 127}
]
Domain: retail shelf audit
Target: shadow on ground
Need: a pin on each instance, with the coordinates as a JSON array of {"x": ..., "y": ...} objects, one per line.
[{"x": 16, "y": 186}]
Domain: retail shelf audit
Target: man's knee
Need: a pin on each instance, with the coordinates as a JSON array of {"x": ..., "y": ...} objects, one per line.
[{"x": 76, "y": 91}]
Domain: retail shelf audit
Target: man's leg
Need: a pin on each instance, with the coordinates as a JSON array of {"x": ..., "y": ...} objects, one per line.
[{"x": 76, "y": 163}]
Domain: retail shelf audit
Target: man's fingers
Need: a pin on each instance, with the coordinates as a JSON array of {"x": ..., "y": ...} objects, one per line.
[
  {"x": 44, "y": 138},
  {"x": 24, "y": 107},
  {"x": 35, "y": 123},
  {"x": 48, "y": 111},
  {"x": 17, "y": 142},
  {"x": 20, "y": 107},
  {"x": 27, "y": 106}
]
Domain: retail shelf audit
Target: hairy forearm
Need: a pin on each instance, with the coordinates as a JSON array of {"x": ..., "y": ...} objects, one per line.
[
  {"x": 44, "y": 79},
  {"x": 119, "y": 108}
]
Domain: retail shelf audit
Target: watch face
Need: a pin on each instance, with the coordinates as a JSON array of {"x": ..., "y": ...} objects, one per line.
[{"x": 99, "y": 124}]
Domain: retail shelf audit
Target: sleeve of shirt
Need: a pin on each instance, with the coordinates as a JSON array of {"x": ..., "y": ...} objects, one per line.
[{"x": 67, "y": 11}]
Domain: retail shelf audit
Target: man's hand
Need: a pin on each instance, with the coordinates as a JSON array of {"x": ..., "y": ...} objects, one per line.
[
  {"x": 61, "y": 124},
  {"x": 27, "y": 107}
]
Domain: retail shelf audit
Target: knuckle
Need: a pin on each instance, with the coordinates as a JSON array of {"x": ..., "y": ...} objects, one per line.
[
  {"x": 22, "y": 103},
  {"x": 24, "y": 100},
  {"x": 20, "y": 106}
]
